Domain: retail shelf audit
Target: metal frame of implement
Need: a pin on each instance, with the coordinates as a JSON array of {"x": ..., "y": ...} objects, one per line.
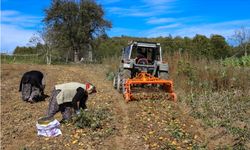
[{"x": 145, "y": 78}]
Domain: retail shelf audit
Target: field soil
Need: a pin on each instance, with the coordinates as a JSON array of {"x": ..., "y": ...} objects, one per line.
[{"x": 137, "y": 125}]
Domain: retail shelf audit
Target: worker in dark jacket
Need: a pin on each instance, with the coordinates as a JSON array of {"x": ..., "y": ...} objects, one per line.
[
  {"x": 32, "y": 85},
  {"x": 68, "y": 96}
]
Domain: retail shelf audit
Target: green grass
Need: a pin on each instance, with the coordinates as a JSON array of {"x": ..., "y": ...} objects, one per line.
[{"x": 8, "y": 59}]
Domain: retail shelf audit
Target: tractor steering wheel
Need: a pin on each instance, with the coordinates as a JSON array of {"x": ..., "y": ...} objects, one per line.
[{"x": 142, "y": 61}]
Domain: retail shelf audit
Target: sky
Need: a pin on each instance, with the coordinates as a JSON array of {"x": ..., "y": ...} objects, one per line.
[{"x": 20, "y": 20}]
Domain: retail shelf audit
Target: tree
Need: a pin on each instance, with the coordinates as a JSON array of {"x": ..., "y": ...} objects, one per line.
[
  {"x": 201, "y": 46},
  {"x": 74, "y": 25},
  {"x": 219, "y": 46},
  {"x": 42, "y": 42},
  {"x": 47, "y": 47},
  {"x": 242, "y": 37},
  {"x": 24, "y": 50}
]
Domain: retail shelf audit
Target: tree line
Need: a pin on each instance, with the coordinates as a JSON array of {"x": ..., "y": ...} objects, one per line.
[
  {"x": 74, "y": 29},
  {"x": 214, "y": 47}
]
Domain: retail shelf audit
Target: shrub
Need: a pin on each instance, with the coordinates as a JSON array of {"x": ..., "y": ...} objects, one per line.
[
  {"x": 243, "y": 61},
  {"x": 91, "y": 119}
]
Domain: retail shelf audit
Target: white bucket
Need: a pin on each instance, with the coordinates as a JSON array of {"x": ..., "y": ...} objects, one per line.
[{"x": 51, "y": 129}]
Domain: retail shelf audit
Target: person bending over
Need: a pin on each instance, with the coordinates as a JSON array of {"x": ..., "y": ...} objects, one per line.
[
  {"x": 32, "y": 86},
  {"x": 68, "y": 96}
]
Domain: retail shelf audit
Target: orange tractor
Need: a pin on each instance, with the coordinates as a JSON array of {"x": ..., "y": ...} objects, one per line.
[{"x": 142, "y": 68}]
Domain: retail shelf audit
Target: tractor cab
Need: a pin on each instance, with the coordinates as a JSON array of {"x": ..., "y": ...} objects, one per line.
[
  {"x": 145, "y": 53},
  {"x": 142, "y": 57}
]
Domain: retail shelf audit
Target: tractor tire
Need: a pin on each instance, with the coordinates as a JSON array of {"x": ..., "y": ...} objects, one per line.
[
  {"x": 126, "y": 76},
  {"x": 164, "y": 75},
  {"x": 121, "y": 79},
  {"x": 119, "y": 82},
  {"x": 115, "y": 82}
]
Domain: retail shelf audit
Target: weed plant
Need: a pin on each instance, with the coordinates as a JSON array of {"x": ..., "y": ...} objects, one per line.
[{"x": 216, "y": 92}]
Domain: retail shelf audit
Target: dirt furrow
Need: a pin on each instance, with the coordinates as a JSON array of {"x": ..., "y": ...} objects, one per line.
[
  {"x": 119, "y": 107},
  {"x": 121, "y": 125}
]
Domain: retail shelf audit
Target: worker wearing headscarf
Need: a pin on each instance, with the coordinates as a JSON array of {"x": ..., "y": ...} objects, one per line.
[{"x": 68, "y": 96}]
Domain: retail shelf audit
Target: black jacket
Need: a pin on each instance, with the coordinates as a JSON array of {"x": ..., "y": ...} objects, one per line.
[{"x": 34, "y": 78}]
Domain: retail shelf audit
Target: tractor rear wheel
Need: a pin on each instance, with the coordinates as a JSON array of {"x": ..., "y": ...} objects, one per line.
[
  {"x": 163, "y": 75},
  {"x": 122, "y": 78},
  {"x": 126, "y": 76},
  {"x": 115, "y": 81},
  {"x": 119, "y": 82}
]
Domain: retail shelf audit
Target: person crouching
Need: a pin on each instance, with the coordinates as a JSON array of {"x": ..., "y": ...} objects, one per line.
[
  {"x": 32, "y": 86},
  {"x": 70, "y": 95}
]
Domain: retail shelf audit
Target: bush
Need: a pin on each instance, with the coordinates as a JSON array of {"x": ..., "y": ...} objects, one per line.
[
  {"x": 243, "y": 61},
  {"x": 91, "y": 119}
]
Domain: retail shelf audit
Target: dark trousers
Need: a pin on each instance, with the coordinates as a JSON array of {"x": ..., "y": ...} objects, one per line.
[
  {"x": 66, "y": 108},
  {"x": 54, "y": 108},
  {"x": 30, "y": 92}
]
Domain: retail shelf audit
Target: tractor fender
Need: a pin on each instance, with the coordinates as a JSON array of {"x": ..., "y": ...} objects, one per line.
[
  {"x": 128, "y": 65},
  {"x": 163, "y": 67}
]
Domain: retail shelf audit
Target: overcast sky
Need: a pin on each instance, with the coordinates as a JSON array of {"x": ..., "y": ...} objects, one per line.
[{"x": 141, "y": 18}]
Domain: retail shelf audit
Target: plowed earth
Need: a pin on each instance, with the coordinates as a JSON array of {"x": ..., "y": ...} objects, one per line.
[{"x": 138, "y": 125}]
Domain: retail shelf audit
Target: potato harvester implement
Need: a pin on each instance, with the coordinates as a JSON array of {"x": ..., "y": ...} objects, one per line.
[{"x": 142, "y": 67}]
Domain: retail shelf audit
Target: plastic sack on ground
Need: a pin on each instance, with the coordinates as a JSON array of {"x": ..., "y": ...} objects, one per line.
[{"x": 50, "y": 129}]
